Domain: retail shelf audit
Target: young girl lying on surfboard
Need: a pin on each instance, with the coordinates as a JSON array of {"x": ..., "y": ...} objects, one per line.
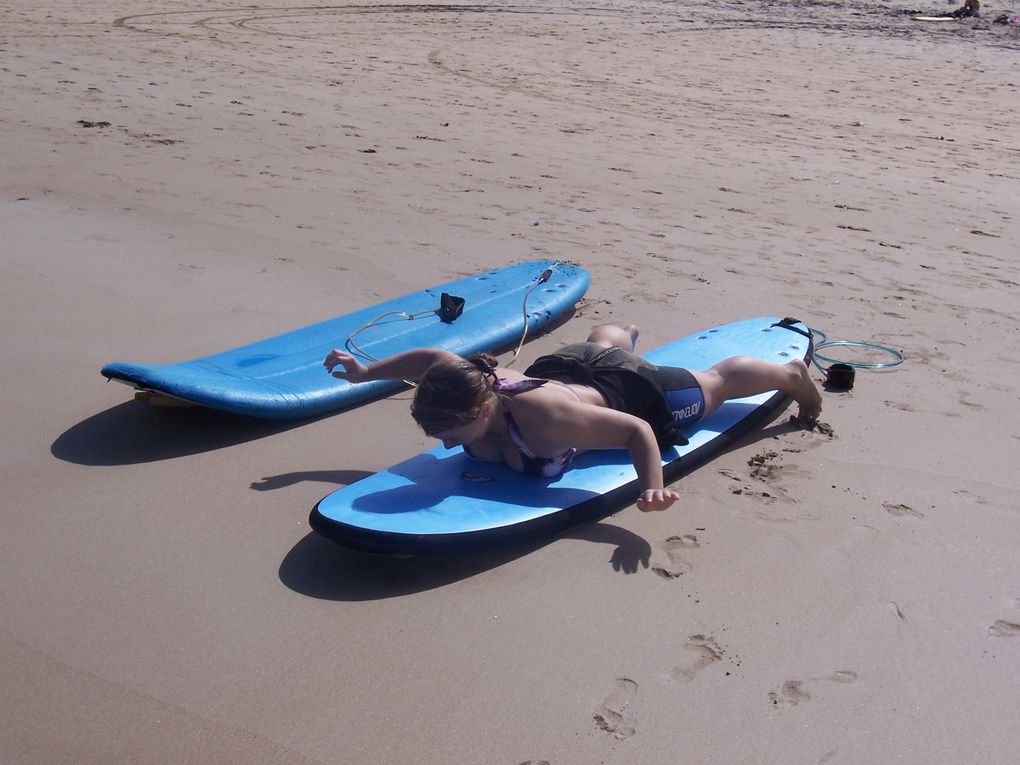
[{"x": 592, "y": 395}]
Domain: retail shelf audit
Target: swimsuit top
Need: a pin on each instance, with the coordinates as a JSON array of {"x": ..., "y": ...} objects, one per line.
[{"x": 547, "y": 467}]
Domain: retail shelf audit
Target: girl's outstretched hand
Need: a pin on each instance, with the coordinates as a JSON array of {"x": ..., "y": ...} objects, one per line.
[
  {"x": 353, "y": 370},
  {"x": 656, "y": 499}
]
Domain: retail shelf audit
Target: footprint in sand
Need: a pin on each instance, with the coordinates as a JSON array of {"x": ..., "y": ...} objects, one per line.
[
  {"x": 899, "y": 509},
  {"x": 971, "y": 496},
  {"x": 792, "y": 694},
  {"x": 676, "y": 566},
  {"x": 1002, "y": 628},
  {"x": 841, "y": 676},
  {"x": 612, "y": 716},
  {"x": 764, "y": 466},
  {"x": 899, "y": 405},
  {"x": 706, "y": 652}
]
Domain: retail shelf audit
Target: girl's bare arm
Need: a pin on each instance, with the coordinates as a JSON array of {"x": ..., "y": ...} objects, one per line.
[
  {"x": 552, "y": 424},
  {"x": 410, "y": 365}
]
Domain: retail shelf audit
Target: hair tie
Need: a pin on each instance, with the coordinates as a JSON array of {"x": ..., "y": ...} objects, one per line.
[{"x": 484, "y": 364}]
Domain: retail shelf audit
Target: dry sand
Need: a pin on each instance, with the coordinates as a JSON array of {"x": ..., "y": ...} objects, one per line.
[{"x": 180, "y": 178}]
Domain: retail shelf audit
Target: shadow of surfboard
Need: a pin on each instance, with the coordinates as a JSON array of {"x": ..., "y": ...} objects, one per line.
[
  {"x": 317, "y": 568},
  {"x": 135, "y": 432}
]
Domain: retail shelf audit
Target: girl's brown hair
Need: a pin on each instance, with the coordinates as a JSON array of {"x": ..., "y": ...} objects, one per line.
[{"x": 452, "y": 393}]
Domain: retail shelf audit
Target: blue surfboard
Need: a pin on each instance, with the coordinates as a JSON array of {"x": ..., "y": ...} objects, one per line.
[
  {"x": 282, "y": 377},
  {"x": 442, "y": 501}
]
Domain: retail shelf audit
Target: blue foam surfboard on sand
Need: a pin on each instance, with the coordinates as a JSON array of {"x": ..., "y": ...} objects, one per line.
[
  {"x": 442, "y": 501},
  {"x": 283, "y": 378}
]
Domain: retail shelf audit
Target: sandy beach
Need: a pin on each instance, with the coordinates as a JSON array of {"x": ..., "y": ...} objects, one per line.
[{"x": 179, "y": 179}]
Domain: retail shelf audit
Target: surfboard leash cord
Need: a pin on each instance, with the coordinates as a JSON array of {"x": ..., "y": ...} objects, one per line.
[
  {"x": 546, "y": 275},
  {"x": 820, "y": 340},
  {"x": 353, "y": 345},
  {"x": 897, "y": 357}
]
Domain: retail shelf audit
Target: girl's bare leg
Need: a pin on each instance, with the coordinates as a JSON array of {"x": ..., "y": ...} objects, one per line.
[
  {"x": 611, "y": 335},
  {"x": 742, "y": 376}
]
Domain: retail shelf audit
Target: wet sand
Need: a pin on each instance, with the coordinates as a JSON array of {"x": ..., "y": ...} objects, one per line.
[{"x": 181, "y": 179}]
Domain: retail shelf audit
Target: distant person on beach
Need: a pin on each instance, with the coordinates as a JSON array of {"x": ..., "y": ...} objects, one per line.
[
  {"x": 970, "y": 9},
  {"x": 592, "y": 395}
]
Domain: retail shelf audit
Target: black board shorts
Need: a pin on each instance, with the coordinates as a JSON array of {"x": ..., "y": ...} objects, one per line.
[
  {"x": 683, "y": 395},
  {"x": 629, "y": 384}
]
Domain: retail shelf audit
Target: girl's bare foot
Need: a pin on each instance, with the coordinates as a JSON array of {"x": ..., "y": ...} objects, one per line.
[
  {"x": 634, "y": 332},
  {"x": 805, "y": 392},
  {"x": 615, "y": 336}
]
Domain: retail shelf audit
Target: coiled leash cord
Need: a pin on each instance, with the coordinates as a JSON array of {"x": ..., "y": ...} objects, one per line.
[
  {"x": 897, "y": 357},
  {"x": 839, "y": 375}
]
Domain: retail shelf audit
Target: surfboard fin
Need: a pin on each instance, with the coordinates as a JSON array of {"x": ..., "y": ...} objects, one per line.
[{"x": 158, "y": 399}]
